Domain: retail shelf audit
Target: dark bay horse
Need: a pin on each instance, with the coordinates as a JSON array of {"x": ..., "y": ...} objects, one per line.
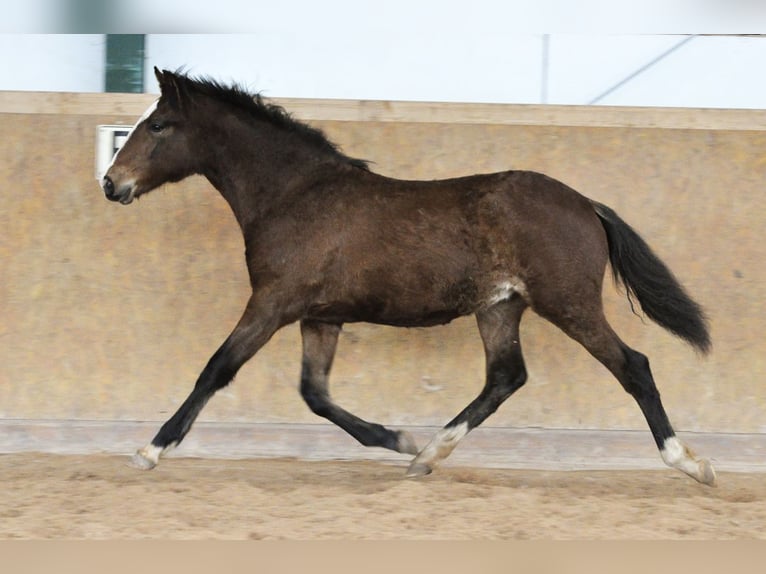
[{"x": 328, "y": 242}]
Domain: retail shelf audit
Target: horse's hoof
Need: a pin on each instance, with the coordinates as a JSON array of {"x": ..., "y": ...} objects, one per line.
[
  {"x": 406, "y": 443},
  {"x": 141, "y": 462},
  {"x": 418, "y": 469},
  {"x": 706, "y": 473}
]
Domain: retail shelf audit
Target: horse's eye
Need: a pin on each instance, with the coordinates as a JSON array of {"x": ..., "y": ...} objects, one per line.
[{"x": 156, "y": 127}]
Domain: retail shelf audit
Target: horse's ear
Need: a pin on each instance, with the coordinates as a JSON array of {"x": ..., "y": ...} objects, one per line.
[{"x": 170, "y": 87}]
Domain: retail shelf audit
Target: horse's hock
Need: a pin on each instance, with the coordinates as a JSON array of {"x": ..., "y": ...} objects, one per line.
[{"x": 109, "y": 314}]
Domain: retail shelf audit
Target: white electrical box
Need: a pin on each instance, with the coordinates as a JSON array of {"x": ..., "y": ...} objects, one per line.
[{"x": 109, "y": 139}]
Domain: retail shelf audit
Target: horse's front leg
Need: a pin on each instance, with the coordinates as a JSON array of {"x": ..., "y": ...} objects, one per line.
[{"x": 255, "y": 328}]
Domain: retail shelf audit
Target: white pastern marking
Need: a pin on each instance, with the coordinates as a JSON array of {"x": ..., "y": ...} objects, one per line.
[
  {"x": 676, "y": 454},
  {"x": 442, "y": 444},
  {"x": 149, "y": 111},
  {"x": 151, "y": 452}
]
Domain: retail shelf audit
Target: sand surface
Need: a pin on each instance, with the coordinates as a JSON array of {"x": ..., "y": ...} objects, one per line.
[{"x": 45, "y": 496}]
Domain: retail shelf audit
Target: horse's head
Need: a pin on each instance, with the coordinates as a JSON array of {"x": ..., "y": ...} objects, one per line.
[{"x": 157, "y": 149}]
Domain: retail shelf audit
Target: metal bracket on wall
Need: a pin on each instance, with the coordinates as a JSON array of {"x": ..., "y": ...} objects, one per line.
[{"x": 109, "y": 139}]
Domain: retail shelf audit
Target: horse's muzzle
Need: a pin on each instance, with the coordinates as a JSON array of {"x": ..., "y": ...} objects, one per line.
[{"x": 111, "y": 193}]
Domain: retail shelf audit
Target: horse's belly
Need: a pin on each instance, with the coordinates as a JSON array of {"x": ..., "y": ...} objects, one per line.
[{"x": 402, "y": 306}]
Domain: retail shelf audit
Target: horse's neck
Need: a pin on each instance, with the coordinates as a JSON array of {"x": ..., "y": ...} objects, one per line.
[{"x": 252, "y": 171}]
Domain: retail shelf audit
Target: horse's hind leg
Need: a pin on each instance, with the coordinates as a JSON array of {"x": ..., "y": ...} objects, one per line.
[
  {"x": 631, "y": 368},
  {"x": 319, "y": 343},
  {"x": 505, "y": 374}
]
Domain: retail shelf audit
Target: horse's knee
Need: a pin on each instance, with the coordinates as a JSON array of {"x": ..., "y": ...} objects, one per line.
[
  {"x": 505, "y": 377},
  {"x": 316, "y": 398},
  {"x": 514, "y": 381},
  {"x": 317, "y": 402}
]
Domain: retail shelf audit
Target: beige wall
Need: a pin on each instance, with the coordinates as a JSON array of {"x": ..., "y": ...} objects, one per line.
[{"x": 110, "y": 312}]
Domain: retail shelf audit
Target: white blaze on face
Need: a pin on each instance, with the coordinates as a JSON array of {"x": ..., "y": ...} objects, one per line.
[{"x": 150, "y": 110}]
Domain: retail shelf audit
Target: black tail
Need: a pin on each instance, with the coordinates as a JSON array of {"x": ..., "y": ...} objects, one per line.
[{"x": 649, "y": 280}]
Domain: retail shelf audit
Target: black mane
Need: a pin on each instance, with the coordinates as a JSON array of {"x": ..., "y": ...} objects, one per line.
[{"x": 254, "y": 104}]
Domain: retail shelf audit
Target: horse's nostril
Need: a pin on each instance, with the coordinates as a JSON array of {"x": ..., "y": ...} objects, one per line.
[{"x": 108, "y": 186}]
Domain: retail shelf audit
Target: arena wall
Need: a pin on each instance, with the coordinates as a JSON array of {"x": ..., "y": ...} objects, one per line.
[{"x": 108, "y": 313}]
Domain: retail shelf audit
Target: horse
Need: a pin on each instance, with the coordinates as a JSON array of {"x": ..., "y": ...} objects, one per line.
[{"x": 328, "y": 241}]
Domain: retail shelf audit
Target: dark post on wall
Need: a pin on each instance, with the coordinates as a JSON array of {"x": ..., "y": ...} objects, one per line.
[{"x": 124, "y": 63}]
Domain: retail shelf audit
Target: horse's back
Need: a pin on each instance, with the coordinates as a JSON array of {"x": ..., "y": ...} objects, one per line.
[
  {"x": 532, "y": 223},
  {"x": 420, "y": 253}
]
